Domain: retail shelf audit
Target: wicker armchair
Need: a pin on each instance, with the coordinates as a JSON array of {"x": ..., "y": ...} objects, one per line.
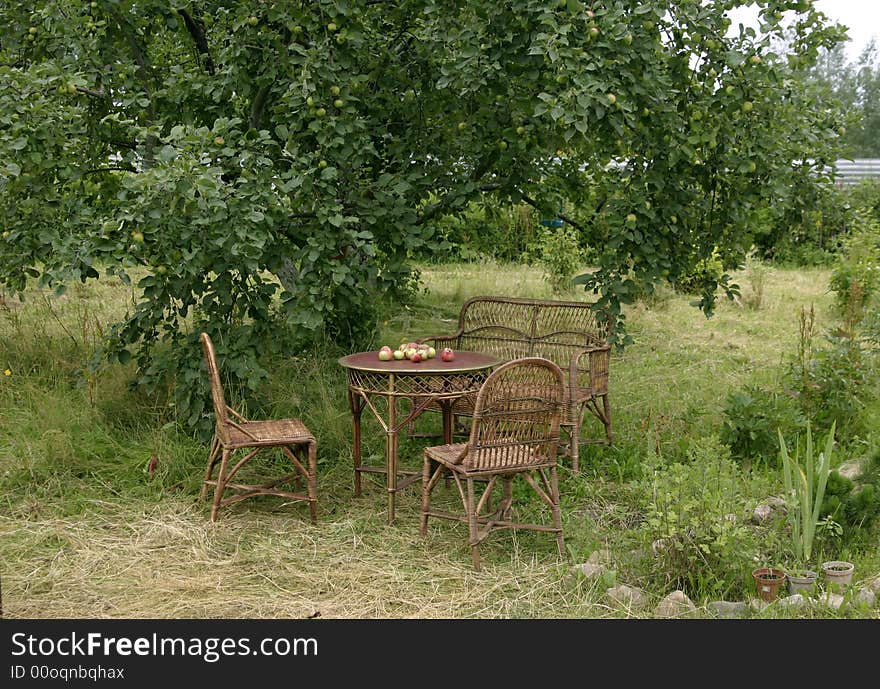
[
  {"x": 514, "y": 432},
  {"x": 567, "y": 333},
  {"x": 233, "y": 432}
]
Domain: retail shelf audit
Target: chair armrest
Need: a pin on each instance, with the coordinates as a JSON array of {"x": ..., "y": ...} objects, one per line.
[
  {"x": 589, "y": 370},
  {"x": 236, "y": 414}
]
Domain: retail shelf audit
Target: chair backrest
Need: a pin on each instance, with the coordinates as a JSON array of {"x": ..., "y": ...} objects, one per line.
[
  {"x": 517, "y": 415},
  {"x": 512, "y": 328},
  {"x": 214, "y": 377}
]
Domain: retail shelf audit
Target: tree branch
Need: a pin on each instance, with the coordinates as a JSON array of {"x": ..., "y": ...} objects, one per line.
[
  {"x": 258, "y": 106},
  {"x": 534, "y": 204},
  {"x": 196, "y": 28}
]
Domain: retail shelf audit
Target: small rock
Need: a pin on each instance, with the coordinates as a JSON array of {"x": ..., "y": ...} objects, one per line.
[
  {"x": 626, "y": 596},
  {"x": 851, "y": 469},
  {"x": 832, "y": 600},
  {"x": 600, "y": 557},
  {"x": 591, "y": 570},
  {"x": 865, "y": 597},
  {"x": 761, "y": 514},
  {"x": 727, "y": 609},
  {"x": 776, "y": 503},
  {"x": 676, "y": 604},
  {"x": 794, "y": 601},
  {"x": 872, "y": 584}
]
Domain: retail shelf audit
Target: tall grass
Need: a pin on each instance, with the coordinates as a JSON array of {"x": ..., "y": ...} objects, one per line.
[{"x": 85, "y": 530}]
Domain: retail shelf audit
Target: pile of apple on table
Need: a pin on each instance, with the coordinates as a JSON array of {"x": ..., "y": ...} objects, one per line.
[{"x": 415, "y": 352}]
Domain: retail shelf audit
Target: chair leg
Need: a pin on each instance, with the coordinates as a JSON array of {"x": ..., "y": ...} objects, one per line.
[
  {"x": 606, "y": 406},
  {"x": 221, "y": 484},
  {"x": 472, "y": 525},
  {"x": 212, "y": 461},
  {"x": 426, "y": 496},
  {"x": 556, "y": 512},
  {"x": 313, "y": 481},
  {"x": 507, "y": 499},
  {"x": 575, "y": 444}
]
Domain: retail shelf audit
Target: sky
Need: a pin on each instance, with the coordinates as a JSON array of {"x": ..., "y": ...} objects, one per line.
[{"x": 861, "y": 17}]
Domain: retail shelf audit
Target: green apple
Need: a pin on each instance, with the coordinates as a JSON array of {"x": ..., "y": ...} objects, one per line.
[
  {"x": 631, "y": 219},
  {"x": 748, "y": 106},
  {"x": 334, "y": 90},
  {"x": 310, "y": 101},
  {"x": 398, "y": 354},
  {"x": 322, "y": 163},
  {"x": 320, "y": 112},
  {"x": 331, "y": 27},
  {"x": 137, "y": 237},
  {"x": 385, "y": 353},
  {"x": 253, "y": 21},
  {"x": 338, "y": 103},
  {"x": 431, "y": 352},
  {"x": 611, "y": 98}
]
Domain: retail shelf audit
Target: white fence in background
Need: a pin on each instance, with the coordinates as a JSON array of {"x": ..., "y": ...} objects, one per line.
[{"x": 851, "y": 172}]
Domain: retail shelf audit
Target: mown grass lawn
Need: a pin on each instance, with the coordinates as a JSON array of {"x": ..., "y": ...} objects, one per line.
[{"x": 85, "y": 532}]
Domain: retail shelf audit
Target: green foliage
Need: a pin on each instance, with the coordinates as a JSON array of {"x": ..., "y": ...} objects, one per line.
[
  {"x": 855, "y": 278},
  {"x": 706, "y": 274},
  {"x": 560, "y": 257},
  {"x": 693, "y": 518},
  {"x": 855, "y": 505},
  {"x": 279, "y": 165},
  {"x": 753, "y": 417},
  {"x": 805, "y": 480},
  {"x": 756, "y": 278}
]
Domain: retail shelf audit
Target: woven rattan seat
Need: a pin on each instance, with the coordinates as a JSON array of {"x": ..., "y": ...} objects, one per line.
[
  {"x": 234, "y": 432},
  {"x": 566, "y": 333},
  {"x": 514, "y": 432}
]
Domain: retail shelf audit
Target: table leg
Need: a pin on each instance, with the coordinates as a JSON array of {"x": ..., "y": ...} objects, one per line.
[
  {"x": 446, "y": 407},
  {"x": 391, "y": 449},
  {"x": 357, "y": 406}
]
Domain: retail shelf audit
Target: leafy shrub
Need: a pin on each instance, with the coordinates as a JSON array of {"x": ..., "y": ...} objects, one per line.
[
  {"x": 560, "y": 257},
  {"x": 709, "y": 270},
  {"x": 756, "y": 277},
  {"x": 855, "y": 278},
  {"x": 752, "y": 418},
  {"x": 694, "y": 521},
  {"x": 854, "y": 504}
]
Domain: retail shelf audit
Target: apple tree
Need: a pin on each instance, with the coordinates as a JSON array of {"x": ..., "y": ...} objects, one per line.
[{"x": 269, "y": 168}]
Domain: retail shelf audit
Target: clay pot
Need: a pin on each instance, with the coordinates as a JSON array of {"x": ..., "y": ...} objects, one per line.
[
  {"x": 801, "y": 581},
  {"x": 838, "y": 574},
  {"x": 768, "y": 581}
]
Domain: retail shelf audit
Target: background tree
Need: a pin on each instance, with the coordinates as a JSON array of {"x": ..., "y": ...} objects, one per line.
[{"x": 270, "y": 167}]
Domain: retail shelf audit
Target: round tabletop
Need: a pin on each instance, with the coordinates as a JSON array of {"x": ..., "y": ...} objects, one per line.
[{"x": 463, "y": 362}]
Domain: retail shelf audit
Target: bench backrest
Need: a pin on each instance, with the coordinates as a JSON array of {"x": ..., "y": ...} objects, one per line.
[{"x": 512, "y": 328}]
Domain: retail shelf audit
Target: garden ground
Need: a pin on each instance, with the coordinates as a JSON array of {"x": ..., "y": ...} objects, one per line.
[{"x": 85, "y": 531}]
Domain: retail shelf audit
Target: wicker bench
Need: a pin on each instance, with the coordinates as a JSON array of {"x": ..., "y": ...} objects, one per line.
[{"x": 567, "y": 333}]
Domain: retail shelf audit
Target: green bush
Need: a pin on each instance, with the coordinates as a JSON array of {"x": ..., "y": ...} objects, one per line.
[
  {"x": 855, "y": 278},
  {"x": 751, "y": 419},
  {"x": 560, "y": 257},
  {"x": 694, "y": 521},
  {"x": 709, "y": 270}
]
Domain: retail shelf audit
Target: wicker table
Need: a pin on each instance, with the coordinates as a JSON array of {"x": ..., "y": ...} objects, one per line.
[{"x": 429, "y": 382}]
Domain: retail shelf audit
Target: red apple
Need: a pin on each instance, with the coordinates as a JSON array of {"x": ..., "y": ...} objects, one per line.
[
  {"x": 385, "y": 353},
  {"x": 447, "y": 354},
  {"x": 416, "y": 358}
]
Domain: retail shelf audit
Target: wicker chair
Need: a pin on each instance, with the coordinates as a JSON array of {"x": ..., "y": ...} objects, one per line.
[
  {"x": 514, "y": 432},
  {"x": 233, "y": 432},
  {"x": 568, "y": 333}
]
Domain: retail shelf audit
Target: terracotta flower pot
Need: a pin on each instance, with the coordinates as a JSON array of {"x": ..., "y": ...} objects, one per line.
[
  {"x": 768, "y": 581},
  {"x": 838, "y": 574}
]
